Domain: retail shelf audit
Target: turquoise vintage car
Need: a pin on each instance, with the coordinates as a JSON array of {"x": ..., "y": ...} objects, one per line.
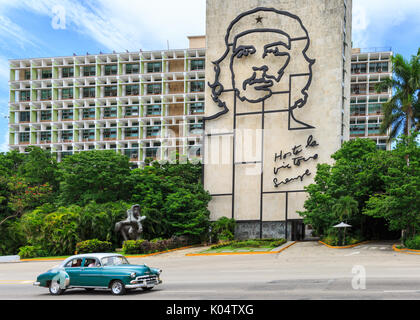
[{"x": 99, "y": 271}]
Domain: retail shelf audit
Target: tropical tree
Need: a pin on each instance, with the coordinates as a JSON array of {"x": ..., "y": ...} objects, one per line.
[
  {"x": 345, "y": 207},
  {"x": 401, "y": 112},
  {"x": 399, "y": 204}
]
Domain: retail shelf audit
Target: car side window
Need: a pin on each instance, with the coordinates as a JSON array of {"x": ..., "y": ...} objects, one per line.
[
  {"x": 74, "y": 263},
  {"x": 91, "y": 262}
]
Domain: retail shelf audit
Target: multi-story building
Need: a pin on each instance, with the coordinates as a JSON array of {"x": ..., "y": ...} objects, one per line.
[
  {"x": 141, "y": 104},
  {"x": 147, "y": 104},
  {"x": 368, "y": 68}
]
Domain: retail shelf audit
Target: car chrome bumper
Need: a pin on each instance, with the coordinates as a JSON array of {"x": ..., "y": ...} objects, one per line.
[
  {"x": 143, "y": 283},
  {"x": 37, "y": 284}
]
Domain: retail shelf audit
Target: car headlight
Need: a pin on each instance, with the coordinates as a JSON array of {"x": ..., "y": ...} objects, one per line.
[{"x": 133, "y": 275}]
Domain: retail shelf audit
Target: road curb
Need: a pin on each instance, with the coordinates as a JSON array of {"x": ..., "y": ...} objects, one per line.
[
  {"x": 409, "y": 251},
  {"x": 239, "y": 253},
  {"x": 344, "y": 247}
]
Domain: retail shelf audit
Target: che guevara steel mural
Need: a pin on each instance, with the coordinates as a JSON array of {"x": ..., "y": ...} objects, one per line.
[{"x": 262, "y": 71}]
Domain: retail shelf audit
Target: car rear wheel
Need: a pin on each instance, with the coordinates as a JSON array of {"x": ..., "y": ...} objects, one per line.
[
  {"x": 55, "y": 288},
  {"x": 117, "y": 288}
]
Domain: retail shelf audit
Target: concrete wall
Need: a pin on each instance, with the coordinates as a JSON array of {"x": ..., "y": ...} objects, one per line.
[{"x": 263, "y": 150}]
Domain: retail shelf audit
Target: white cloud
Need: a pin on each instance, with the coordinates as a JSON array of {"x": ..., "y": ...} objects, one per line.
[
  {"x": 373, "y": 19},
  {"x": 126, "y": 24}
]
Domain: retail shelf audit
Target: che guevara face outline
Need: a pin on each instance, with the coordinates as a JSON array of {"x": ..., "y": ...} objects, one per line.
[
  {"x": 265, "y": 89},
  {"x": 267, "y": 64}
]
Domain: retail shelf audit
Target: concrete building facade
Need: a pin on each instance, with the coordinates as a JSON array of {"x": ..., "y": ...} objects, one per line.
[
  {"x": 141, "y": 104},
  {"x": 277, "y": 104},
  {"x": 368, "y": 68}
]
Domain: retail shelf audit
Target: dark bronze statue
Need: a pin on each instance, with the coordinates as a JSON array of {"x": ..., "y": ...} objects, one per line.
[{"x": 131, "y": 228}]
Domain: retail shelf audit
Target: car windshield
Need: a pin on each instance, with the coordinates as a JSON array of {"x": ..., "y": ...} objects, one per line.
[{"x": 114, "y": 261}]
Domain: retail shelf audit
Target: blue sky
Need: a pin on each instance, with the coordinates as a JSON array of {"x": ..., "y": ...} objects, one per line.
[{"x": 33, "y": 28}]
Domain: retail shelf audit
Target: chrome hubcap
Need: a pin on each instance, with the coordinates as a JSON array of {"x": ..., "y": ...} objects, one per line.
[
  {"x": 55, "y": 287},
  {"x": 116, "y": 287}
]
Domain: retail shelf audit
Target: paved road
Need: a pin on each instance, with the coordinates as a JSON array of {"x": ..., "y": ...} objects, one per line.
[{"x": 306, "y": 270}]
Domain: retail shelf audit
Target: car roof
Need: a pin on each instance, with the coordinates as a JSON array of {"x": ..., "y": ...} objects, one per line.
[{"x": 92, "y": 255}]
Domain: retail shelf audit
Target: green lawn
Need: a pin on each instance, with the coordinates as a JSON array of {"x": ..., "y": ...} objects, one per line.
[{"x": 246, "y": 246}]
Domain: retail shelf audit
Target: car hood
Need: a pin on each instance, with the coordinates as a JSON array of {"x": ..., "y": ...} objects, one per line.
[{"x": 133, "y": 267}]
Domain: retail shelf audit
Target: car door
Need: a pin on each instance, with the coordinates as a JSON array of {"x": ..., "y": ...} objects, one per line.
[
  {"x": 73, "y": 268},
  {"x": 91, "y": 273}
]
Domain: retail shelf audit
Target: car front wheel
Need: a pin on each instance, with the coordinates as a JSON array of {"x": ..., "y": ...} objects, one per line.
[
  {"x": 117, "y": 288},
  {"x": 55, "y": 288}
]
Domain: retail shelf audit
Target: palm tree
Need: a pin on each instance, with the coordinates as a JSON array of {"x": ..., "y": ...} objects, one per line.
[
  {"x": 345, "y": 206},
  {"x": 402, "y": 111}
]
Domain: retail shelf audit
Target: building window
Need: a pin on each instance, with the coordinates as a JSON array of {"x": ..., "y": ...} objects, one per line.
[
  {"x": 24, "y": 137},
  {"x": 151, "y": 152},
  {"x": 89, "y": 113},
  {"x": 358, "y": 68},
  {"x": 45, "y": 136},
  {"x": 378, "y": 67},
  {"x": 27, "y": 75},
  {"x": 154, "y": 67},
  {"x": 111, "y": 70},
  {"x": 131, "y": 132},
  {"x": 46, "y": 115},
  {"x": 67, "y": 115},
  {"x": 197, "y": 107},
  {"x": 197, "y": 86},
  {"x": 357, "y": 130},
  {"x": 89, "y": 92},
  {"x": 132, "y": 68},
  {"x": 375, "y": 108},
  {"x": 153, "y": 131},
  {"x": 88, "y": 135},
  {"x": 110, "y": 112},
  {"x": 46, "y": 94},
  {"x": 89, "y": 71},
  {"x": 132, "y": 153},
  {"x": 155, "y": 88},
  {"x": 131, "y": 90},
  {"x": 111, "y": 91},
  {"x": 110, "y": 134},
  {"x": 358, "y": 110},
  {"x": 197, "y": 65},
  {"x": 68, "y": 72},
  {"x": 25, "y": 96},
  {"x": 196, "y": 126},
  {"x": 373, "y": 128},
  {"x": 25, "y": 116},
  {"x": 67, "y": 136},
  {"x": 131, "y": 111},
  {"x": 46, "y": 74},
  {"x": 67, "y": 93},
  {"x": 154, "y": 110}
]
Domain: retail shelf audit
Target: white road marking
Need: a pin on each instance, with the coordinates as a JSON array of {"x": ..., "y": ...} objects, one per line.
[
  {"x": 352, "y": 254},
  {"x": 373, "y": 248}
]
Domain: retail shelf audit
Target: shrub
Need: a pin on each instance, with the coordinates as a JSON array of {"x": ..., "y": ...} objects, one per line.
[
  {"x": 93, "y": 246},
  {"x": 28, "y": 252},
  {"x": 223, "y": 229},
  {"x": 155, "y": 245},
  {"x": 413, "y": 243},
  {"x": 133, "y": 246},
  {"x": 256, "y": 243}
]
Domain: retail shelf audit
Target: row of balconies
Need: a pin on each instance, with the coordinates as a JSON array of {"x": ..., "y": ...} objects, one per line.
[
  {"x": 117, "y": 91},
  {"x": 104, "y": 70}
]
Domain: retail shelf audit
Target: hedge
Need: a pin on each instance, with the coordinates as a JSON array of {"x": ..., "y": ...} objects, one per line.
[{"x": 155, "y": 245}]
